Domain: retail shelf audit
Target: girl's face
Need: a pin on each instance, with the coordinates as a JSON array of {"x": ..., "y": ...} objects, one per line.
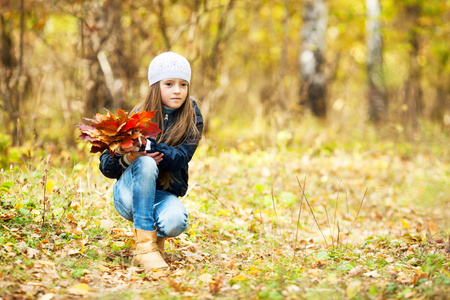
[{"x": 173, "y": 92}]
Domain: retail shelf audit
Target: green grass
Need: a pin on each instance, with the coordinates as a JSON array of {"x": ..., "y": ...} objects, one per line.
[{"x": 247, "y": 236}]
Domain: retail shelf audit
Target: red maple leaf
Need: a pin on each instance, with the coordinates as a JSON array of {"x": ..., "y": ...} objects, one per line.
[{"x": 121, "y": 131}]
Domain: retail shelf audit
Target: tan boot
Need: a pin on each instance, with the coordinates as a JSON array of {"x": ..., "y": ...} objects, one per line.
[
  {"x": 147, "y": 252},
  {"x": 160, "y": 242}
]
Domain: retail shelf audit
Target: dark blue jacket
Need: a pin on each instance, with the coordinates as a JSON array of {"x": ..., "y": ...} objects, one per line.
[{"x": 175, "y": 159}]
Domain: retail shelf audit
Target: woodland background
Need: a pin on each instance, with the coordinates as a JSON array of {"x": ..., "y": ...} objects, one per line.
[
  {"x": 345, "y": 103},
  {"x": 389, "y": 63}
]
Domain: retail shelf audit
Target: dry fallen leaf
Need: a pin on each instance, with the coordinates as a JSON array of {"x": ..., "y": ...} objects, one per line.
[
  {"x": 406, "y": 224},
  {"x": 240, "y": 277},
  {"x": 355, "y": 271},
  {"x": 45, "y": 262},
  {"x": 79, "y": 289},
  {"x": 179, "y": 272},
  {"x": 31, "y": 252},
  {"x": 30, "y": 288},
  {"x": 216, "y": 285},
  {"x": 390, "y": 259},
  {"x": 47, "y": 296},
  {"x": 373, "y": 274},
  {"x": 157, "y": 275},
  {"x": 206, "y": 278}
]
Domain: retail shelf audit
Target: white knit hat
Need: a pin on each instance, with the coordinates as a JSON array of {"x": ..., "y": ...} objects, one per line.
[{"x": 169, "y": 65}]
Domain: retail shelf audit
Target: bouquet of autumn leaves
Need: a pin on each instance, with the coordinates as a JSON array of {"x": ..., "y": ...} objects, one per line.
[{"x": 117, "y": 132}]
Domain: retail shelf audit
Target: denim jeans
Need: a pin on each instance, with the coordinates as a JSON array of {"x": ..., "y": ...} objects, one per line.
[{"x": 137, "y": 199}]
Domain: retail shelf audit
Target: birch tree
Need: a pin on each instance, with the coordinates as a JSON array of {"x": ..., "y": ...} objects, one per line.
[
  {"x": 377, "y": 89},
  {"x": 312, "y": 57}
]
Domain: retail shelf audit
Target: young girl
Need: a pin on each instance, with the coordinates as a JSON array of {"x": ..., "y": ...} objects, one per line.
[{"x": 149, "y": 182}]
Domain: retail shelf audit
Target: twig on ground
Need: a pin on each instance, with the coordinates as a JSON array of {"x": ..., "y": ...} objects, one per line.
[
  {"x": 423, "y": 249},
  {"x": 64, "y": 212},
  {"x": 357, "y": 214},
  {"x": 38, "y": 166},
  {"x": 338, "y": 235},
  {"x": 276, "y": 214},
  {"x": 336, "y": 208},
  {"x": 329, "y": 225},
  {"x": 260, "y": 215},
  {"x": 347, "y": 211},
  {"x": 314, "y": 216},
  {"x": 215, "y": 197},
  {"x": 448, "y": 245},
  {"x": 44, "y": 183},
  {"x": 299, "y": 211},
  {"x": 89, "y": 184},
  {"x": 188, "y": 191}
]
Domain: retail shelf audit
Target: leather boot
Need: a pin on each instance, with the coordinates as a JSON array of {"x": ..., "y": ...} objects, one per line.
[
  {"x": 160, "y": 242},
  {"x": 147, "y": 252}
]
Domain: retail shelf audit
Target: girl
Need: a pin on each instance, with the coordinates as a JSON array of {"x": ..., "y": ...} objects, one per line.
[{"x": 149, "y": 182}]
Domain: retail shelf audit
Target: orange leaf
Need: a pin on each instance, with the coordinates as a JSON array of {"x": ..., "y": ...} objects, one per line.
[{"x": 112, "y": 132}]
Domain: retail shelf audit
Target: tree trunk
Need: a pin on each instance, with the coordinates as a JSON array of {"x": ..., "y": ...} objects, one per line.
[
  {"x": 102, "y": 32},
  {"x": 377, "y": 88},
  {"x": 281, "y": 90},
  {"x": 312, "y": 58},
  {"x": 211, "y": 60},
  {"x": 412, "y": 102},
  {"x": 441, "y": 103},
  {"x": 13, "y": 82}
]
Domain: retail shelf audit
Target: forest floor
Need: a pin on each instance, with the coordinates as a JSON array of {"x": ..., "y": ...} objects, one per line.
[{"x": 274, "y": 224}]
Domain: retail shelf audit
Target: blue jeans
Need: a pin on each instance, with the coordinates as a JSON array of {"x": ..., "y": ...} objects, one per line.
[{"x": 137, "y": 199}]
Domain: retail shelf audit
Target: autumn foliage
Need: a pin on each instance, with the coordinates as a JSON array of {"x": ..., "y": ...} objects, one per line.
[{"x": 121, "y": 131}]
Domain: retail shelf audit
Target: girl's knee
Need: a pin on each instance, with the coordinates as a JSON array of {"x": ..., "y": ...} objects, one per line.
[
  {"x": 175, "y": 229},
  {"x": 174, "y": 223},
  {"x": 146, "y": 166},
  {"x": 146, "y": 161}
]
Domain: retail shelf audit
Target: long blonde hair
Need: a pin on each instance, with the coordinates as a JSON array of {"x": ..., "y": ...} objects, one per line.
[{"x": 183, "y": 129}]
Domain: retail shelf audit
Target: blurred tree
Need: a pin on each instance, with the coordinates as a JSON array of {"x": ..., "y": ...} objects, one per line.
[
  {"x": 437, "y": 69},
  {"x": 441, "y": 78},
  {"x": 312, "y": 57},
  {"x": 274, "y": 94},
  {"x": 14, "y": 82},
  {"x": 101, "y": 39},
  {"x": 160, "y": 14},
  {"x": 412, "y": 98},
  {"x": 282, "y": 94},
  {"x": 375, "y": 73},
  {"x": 85, "y": 55},
  {"x": 213, "y": 33}
]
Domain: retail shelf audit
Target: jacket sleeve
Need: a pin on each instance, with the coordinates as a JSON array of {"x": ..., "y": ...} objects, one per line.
[
  {"x": 175, "y": 158},
  {"x": 110, "y": 166}
]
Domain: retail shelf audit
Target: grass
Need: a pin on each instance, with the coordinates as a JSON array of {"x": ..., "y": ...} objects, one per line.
[{"x": 251, "y": 232}]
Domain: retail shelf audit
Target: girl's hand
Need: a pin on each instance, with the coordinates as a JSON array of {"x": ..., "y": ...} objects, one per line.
[
  {"x": 156, "y": 156},
  {"x": 123, "y": 151},
  {"x": 133, "y": 155}
]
